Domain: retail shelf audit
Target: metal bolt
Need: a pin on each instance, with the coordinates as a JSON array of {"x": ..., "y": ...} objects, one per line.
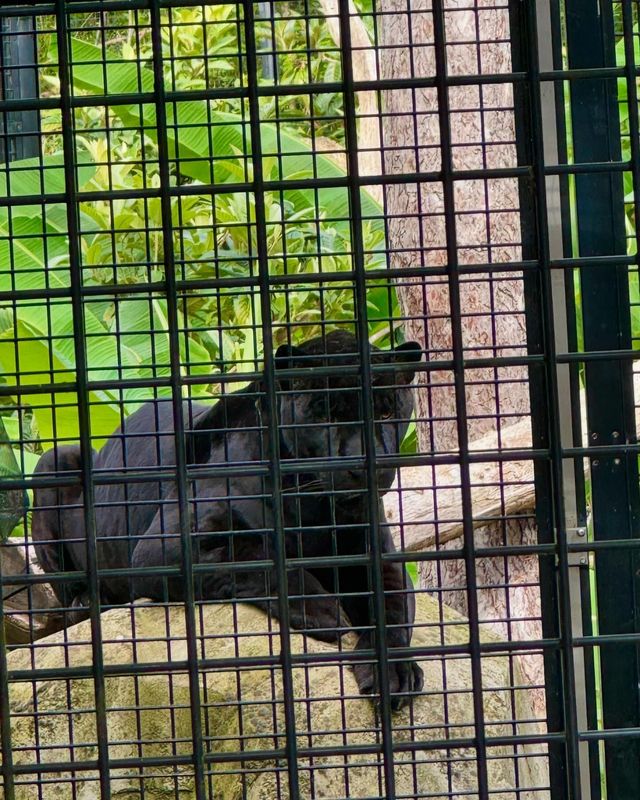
[
  {"x": 583, "y": 561},
  {"x": 581, "y": 531},
  {"x": 616, "y": 434},
  {"x": 617, "y": 461},
  {"x": 595, "y": 462},
  {"x": 594, "y": 436}
]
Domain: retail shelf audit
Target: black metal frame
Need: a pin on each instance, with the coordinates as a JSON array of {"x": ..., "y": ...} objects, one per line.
[
  {"x": 607, "y": 326},
  {"x": 597, "y": 351}
]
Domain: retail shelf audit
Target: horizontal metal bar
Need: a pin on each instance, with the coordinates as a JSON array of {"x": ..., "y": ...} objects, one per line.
[
  {"x": 344, "y": 750},
  {"x": 298, "y": 659}
]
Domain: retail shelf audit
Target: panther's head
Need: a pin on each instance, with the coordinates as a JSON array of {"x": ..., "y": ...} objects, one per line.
[{"x": 321, "y": 409}]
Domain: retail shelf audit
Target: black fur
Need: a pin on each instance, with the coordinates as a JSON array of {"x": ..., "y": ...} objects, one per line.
[{"x": 231, "y": 516}]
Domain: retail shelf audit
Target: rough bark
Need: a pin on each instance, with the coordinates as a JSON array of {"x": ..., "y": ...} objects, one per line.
[
  {"x": 486, "y": 216},
  {"x": 363, "y": 65},
  {"x": 425, "y": 511},
  {"x": 27, "y": 609},
  {"x": 487, "y": 230}
]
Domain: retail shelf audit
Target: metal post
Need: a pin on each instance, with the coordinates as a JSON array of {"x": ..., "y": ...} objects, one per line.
[
  {"x": 608, "y": 382},
  {"x": 521, "y": 55},
  {"x": 268, "y": 61},
  {"x": 18, "y": 139},
  {"x": 18, "y": 67}
]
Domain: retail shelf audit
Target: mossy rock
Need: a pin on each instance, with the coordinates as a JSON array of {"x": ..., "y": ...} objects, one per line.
[{"x": 149, "y": 714}]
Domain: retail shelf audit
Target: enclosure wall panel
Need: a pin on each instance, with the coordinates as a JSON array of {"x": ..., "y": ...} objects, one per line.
[{"x": 318, "y": 399}]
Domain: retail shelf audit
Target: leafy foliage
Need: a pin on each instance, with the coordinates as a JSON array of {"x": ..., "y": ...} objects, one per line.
[{"x": 214, "y": 236}]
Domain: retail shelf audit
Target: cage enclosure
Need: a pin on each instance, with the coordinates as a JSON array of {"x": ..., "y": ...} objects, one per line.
[{"x": 318, "y": 399}]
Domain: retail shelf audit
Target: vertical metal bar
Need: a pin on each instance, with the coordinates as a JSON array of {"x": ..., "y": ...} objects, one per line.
[
  {"x": 17, "y": 51},
  {"x": 566, "y": 311},
  {"x": 630, "y": 68},
  {"x": 362, "y": 327},
  {"x": 84, "y": 420},
  {"x": 440, "y": 47},
  {"x": 19, "y": 80},
  {"x": 271, "y": 400},
  {"x": 549, "y": 289},
  {"x": 551, "y": 106},
  {"x": 176, "y": 396},
  {"x": 549, "y": 601},
  {"x": 609, "y": 383}
]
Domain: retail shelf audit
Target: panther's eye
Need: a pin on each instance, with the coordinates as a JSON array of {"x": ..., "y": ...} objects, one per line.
[{"x": 386, "y": 414}]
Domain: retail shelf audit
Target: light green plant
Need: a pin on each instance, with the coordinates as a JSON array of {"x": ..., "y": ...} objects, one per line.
[{"x": 214, "y": 236}]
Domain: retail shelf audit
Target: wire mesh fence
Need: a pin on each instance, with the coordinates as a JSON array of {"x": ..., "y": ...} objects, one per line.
[{"x": 318, "y": 398}]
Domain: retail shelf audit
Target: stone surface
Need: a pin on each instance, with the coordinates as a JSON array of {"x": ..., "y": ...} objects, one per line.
[{"x": 155, "y": 708}]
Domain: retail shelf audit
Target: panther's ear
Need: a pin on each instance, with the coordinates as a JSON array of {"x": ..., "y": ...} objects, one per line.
[
  {"x": 404, "y": 356},
  {"x": 285, "y": 358}
]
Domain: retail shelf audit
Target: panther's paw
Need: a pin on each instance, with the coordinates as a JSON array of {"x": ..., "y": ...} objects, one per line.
[
  {"x": 323, "y": 618},
  {"x": 406, "y": 680}
]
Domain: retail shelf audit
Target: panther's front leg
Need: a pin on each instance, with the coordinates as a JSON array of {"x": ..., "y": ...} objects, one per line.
[
  {"x": 161, "y": 546},
  {"x": 405, "y": 677},
  {"x": 311, "y": 608}
]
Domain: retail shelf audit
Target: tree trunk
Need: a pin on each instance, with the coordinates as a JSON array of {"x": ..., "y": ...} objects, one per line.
[
  {"x": 492, "y": 303},
  {"x": 486, "y": 211},
  {"x": 487, "y": 231}
]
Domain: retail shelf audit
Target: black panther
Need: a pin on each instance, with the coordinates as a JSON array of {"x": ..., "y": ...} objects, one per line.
[{"x": 324, "y": 503}]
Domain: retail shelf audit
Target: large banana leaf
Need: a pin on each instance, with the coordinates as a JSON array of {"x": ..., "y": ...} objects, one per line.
[
  {"x": 36, "y": 343},
  {"x": 208, "y": 142},
  {"x": 40, "y": 177},
  {"x": 29, "y": 359},
  {"x": 142, "y": 328},
  {"x": 37, "y": 347}
]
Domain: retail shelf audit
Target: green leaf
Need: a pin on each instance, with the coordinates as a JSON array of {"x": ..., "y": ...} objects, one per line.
[
  {"x": 207, "y": 142},
  {"x": 34, "y": 251},
  {"x": 29, "y": 359},
  {"x": 41, "y": 177},
  {"x": 142, "y": 330}
]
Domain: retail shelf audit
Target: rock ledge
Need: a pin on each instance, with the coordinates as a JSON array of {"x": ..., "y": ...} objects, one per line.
[{"x": 53, "y": 721}]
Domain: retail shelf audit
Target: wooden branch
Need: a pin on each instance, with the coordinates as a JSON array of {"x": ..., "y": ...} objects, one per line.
[
  {"x": 26, "y": 611},
  {"x": 424, "y": 506}
]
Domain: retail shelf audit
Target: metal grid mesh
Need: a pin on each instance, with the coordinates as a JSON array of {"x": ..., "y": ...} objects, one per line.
[{"x": 188, "y": 188}]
